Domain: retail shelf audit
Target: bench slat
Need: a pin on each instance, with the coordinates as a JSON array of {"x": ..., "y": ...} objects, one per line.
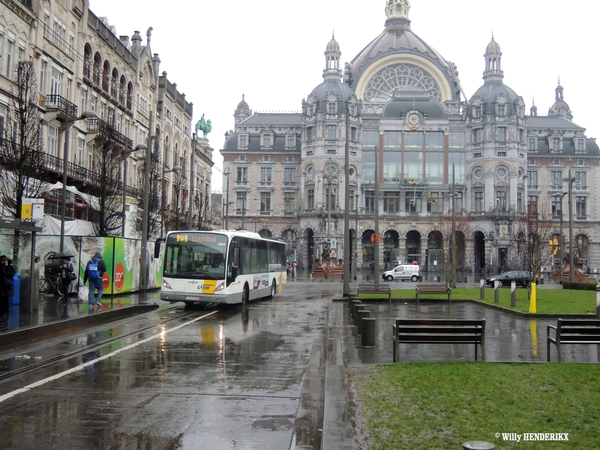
[
  {"x": 572, "y": 331},
  {"x": 441, "y": 330},
  {"x": 440, "y": 339},
  {"x": 438, "y": 331},
  {"x": 437, "y": 322}
]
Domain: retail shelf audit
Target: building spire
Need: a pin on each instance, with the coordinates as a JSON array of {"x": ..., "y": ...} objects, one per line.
[
  {"x": 397, "y": 9},
  {"x": 493, "y": 62},
  {"x": 332, "y": 60}
]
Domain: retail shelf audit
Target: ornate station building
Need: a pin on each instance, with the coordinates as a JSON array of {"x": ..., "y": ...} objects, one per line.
[{"x": 435, "y": 155}]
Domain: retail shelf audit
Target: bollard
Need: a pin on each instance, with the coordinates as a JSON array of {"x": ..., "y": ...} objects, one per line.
[
  {"x": 478, "y": 445},
  {"x": 496, "y": 293},
  {"x": 482, "y": 289},
  {"x": 598, "y": 301},
  {"x": 356, "y": 304},
  {"x": 362, "y": 314},
  {"x": 513, "y": 293},
  {"x": 357, "y": 308},
  {"x": 368, "y": 337}
]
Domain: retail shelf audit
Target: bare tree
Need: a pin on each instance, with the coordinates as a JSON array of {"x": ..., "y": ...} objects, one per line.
[
  {"x": 108, "y": 217},
  {"x": 531, "y": 234},
  {"x": 154, "y": 191},
  {"x": 203, "y": 216},
  {"x": 21, "y": 147},
  {"x": 177, "y": 214},
  {"x": 451, "y": 252}
]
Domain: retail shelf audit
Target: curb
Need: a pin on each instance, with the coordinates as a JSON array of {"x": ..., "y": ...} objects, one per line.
[{"x": 56, "y": 329}]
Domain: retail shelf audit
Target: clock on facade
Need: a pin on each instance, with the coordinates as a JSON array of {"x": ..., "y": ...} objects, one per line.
[{"x": 413, "y": 118}]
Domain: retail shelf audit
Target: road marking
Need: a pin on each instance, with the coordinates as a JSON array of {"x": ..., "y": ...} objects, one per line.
[{"x": 89, "y": 363}]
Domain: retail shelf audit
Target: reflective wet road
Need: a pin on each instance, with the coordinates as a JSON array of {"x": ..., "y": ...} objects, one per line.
[{"x": 231, "y": 378}]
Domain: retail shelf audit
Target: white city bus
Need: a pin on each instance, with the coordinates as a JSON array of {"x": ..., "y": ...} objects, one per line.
[{"x": 221, "y": 267}]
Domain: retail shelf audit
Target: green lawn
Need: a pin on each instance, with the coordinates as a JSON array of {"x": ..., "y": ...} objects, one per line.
[
  {"x": 443, "y": 405},
  {"x": 548, "y": 301}
]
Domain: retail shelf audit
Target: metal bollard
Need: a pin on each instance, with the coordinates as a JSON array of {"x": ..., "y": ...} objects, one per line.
[
  {"x": 368, "y": 337},
  {"x": 357, "y": 307},
  {"x": 598, "y": 301},
  {"x": 356, "y": 304},
  {"x": 482, "y": 289},
  {"x": 361, "y": 314},
  {"x": 496, "y": 293},
  {"x": 513, "y": 293}
]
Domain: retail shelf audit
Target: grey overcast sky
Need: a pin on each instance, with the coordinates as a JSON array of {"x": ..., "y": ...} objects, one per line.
[{"x": 272, "y": 50}]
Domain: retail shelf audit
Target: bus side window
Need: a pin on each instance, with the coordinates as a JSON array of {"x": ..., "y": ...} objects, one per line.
[{"x": 233, "y": 264}]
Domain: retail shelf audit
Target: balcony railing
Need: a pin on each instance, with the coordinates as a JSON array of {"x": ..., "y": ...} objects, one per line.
[
  {"x": 81, "y": 174},
  {"x": 58, "y": 102},
  {"x": 109, "y": 132}
]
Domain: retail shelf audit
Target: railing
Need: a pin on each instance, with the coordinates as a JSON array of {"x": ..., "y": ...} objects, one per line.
[
  {"x": 62, "y": 104},
  {"x": 56, "y": 39},
  {"x": 80, "y": 173},
  {"x": 107, "y": 131}
]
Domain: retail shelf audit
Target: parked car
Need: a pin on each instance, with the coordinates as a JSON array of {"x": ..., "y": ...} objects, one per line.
[
  {"x": 521, "y": 278},
  {"x": 403, "y": 272}
]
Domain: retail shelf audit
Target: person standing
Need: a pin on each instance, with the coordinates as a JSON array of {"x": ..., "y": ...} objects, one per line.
[
  {"x": 66, "y": 275},
  {"x": 94, "y": 271},
  {"x": 7, "y": 272}
]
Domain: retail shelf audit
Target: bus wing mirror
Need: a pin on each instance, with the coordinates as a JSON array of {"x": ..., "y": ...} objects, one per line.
[
  {"x": 234, "y": 272},
  {"x": 157, "y": 248}
]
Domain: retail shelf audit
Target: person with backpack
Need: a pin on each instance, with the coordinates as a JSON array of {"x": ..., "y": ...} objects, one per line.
[
  {"x": 94, "y": 271},
  {"x": 67, "y": 275}
]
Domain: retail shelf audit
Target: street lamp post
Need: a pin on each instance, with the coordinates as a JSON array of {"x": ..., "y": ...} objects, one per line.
[
  {"x": 191, "y": 191},
  {"x": 346, "y": 289},
  {"x": 125, "y": 157},
  {"x": 560, "y": 237},
  {"x": 146, "y": 202},
  {"x": 66, "y": 127},
  {"x": 570, "y": 180}
]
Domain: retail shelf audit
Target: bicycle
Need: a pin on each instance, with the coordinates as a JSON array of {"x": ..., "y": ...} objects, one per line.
[{"x": 52, "y": 282}]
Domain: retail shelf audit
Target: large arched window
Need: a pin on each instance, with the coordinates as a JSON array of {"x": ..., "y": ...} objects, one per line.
[{"x": 581, "y": 251}]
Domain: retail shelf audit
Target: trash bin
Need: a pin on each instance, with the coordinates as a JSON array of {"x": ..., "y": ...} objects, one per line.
[
  {"x": 30, "y": 301},
  {"x": 14, "y": 299}
]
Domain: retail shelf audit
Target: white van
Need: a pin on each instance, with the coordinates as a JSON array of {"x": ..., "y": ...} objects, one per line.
[{"x": 410, "y": 272}]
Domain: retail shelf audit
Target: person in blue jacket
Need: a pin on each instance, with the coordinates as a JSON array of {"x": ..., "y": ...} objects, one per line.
[{"x": 94, "y": 271}]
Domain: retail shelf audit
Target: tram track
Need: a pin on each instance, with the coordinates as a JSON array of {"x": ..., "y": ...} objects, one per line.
[{"x": 96, "y": 346}]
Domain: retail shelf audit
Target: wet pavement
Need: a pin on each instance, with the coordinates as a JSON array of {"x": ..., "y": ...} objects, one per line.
[{"x": 271, "y": 376}]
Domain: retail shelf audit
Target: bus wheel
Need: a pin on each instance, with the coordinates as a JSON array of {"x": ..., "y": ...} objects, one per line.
[
  {"x": 245, "y": 295},
  {"x": 273, "y": 288}
]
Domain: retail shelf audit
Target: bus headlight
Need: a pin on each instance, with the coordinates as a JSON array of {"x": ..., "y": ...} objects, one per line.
[
  {"x": 166, "y": 285},
  {"x": 220, "y": 287}
]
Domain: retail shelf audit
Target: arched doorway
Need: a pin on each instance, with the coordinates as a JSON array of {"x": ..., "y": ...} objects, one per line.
[
  {"x": 479, "y": 248},
  {"x": 368, "y": 247},
  {"x": 413, "y": 247},
  {"x": 264, "y": 233},
  {"x": 391, "y": 248},
  {"x": 435, "y": 251},
  {"x": 310, "y": 244}
]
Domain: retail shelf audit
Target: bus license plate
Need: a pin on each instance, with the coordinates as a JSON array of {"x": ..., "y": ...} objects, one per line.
[{"x": 192, "y": 298}]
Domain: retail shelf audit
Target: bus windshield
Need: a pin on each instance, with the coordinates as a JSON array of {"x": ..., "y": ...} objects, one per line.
[{"x": 195, "y": 255}]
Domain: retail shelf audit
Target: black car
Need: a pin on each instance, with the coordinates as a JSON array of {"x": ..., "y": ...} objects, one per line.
[{"x": 520, "y": 277}]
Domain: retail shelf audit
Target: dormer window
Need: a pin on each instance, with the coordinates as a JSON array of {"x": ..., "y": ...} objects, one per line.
[
  {"x": 243, "y": 141},
  {"x": 501, "y": 110},
  {"x": 580, "y": 144},
  {"x": 290, "y": 141},
  {"x": 555, "y": 144},
  {"x": 331, "y": 107},
  {"x": 266, "y": 140}
]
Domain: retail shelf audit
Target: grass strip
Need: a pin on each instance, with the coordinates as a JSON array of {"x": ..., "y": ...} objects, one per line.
[
  {"x": 548, "y": 301},
  {"x": 443, "y": 405}
]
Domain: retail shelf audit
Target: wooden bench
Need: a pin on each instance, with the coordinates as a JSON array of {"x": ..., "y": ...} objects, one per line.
[
  {"x": 382, "y": 288},
  {"x": 432, "y": 289},
  {"x": 573, "y": 331},
  {"x": 439, "y": 331}
]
